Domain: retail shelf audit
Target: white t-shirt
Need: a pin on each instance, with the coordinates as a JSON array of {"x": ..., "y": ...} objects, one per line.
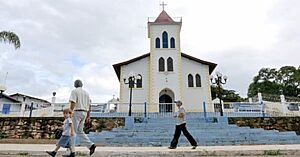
[
  {"x": 81, "y": 98},
  {"x": 67, "y": 126},
  {"x": 180, "y": 120}
]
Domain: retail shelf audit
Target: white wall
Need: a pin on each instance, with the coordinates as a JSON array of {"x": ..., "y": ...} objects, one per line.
[
  {"x": 36, "y": 103},
  {"x": 193, "y": 97},
  {"x": 14, "y": 107},
  {"x": 157, "y": 30},
  {"x": 164, "y": 80},
  {"x": 139, "y": 95}
]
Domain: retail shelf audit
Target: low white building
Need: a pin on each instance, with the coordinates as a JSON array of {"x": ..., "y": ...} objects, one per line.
[
  {"x": 37, "y": 103},
  {"x": 9, "y": 105}
]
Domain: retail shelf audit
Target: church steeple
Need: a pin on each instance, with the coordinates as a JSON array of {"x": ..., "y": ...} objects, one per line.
[
  {"x": 164, "y": 32},
  {"x": 163, "y": 17}
]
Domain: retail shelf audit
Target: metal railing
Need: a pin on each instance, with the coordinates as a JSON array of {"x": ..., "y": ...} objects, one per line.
[{"x": 160, "y": 110}]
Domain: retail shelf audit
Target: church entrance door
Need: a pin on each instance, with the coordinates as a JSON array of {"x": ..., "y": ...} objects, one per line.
[
  {"x": 166, "y": 99},
  {"x": 165, "y": 103}
]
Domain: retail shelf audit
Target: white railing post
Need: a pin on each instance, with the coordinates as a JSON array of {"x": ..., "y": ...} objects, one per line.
[
  {"x": 283, "y": 104},
  {"x": 22, "y": 109}
]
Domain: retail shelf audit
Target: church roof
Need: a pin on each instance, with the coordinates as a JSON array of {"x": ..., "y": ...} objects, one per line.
[
  {"x": 163, "y": 17},
  {"x": 117, "y": 66}
]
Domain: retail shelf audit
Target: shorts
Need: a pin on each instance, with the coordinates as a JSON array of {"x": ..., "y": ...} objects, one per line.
[{"x": 64, "y": 141}]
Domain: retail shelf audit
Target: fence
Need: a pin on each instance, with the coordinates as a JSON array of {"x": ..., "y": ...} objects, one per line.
[{"x": 141, "y": 110}]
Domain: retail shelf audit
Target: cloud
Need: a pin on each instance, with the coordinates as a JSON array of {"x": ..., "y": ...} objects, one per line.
[{"x": 66, "y": 40}]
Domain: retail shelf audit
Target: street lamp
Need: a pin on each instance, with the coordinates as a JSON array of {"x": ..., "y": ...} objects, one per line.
[
  {"x": 131, "y": 81},
  {"x": 218, "y": 80}
]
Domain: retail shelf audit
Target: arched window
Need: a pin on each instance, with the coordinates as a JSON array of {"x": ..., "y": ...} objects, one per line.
[
  {"x": 198, "y": 80},
  {"x": 161, "y": 64},
  {"x": 139, "y": 82},
  {"x": 170, "y": 64},
  {"x": 190, "y": 80},
  {"x": 165, "y": 39},
  {"x": 157, "y": 43},
  {"x": 172, "y": 42}
]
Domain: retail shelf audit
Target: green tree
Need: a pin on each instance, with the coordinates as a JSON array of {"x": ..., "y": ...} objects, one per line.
[
  {"x": 10, "y": 37},
  {"x": 272, "y": 81},
  {"x": 227, "y": 95}
]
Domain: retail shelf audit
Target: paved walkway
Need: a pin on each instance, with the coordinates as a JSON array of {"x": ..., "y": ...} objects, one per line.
[{"x": 9, "y": 150}]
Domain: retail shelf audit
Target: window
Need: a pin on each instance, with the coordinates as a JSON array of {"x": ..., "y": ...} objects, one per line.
[
  {"x": 139, "y": 82},
  {"x": 198, "y": 80},
  {"x": 161, "y": 64},
  {"x": 165, "y": 39},
  {"x": 157, "y": 43},
  {"x": 172, "y": 42},
  {"x": 170, "y": 64},
  {"x": 190, "y": 80}
]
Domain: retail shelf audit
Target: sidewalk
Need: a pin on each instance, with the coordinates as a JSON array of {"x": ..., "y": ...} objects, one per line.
[{"x": 36, "y": 150}]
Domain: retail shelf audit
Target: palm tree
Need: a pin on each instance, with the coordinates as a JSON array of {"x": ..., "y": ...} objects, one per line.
[{"x": 11, "y": 38}]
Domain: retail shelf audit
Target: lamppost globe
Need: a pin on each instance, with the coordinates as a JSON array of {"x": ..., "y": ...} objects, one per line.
[
  {"x": 225, "y": 78},
  {"x": 218, "y": 74},
  {"x": 138, "y": 77},
  {"x": 211, "y": 77}
]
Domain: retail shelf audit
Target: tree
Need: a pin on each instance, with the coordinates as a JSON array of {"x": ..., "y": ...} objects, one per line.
[
  {"x": 10, "y": 37},
  {"x": 273, "y": 81},
  {"x": 227, "y": 95}
]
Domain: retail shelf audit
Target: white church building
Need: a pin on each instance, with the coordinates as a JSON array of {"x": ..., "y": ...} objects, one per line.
[{"x": 166, "y": 73}]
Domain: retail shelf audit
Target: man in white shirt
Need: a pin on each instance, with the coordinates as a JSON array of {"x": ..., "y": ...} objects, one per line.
[
  {"x": 181, "y": 126},
  {"x": 80, "y": 105}
]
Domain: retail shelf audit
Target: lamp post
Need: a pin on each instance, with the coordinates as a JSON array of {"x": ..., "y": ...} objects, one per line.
[
  {"x": 131, "y": 81},
  {"x": 219, "y": 80}
]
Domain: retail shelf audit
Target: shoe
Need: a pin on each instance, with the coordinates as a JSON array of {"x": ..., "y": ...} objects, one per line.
[
  {"x": 172, "y": 147},
  {"x": 194, "y": 147},
  {"x": 52, "y": 153},
  {"x": 92, "y": 149}
]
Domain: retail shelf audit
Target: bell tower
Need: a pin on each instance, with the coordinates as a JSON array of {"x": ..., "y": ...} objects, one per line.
[{"x": 165, "y": 60}]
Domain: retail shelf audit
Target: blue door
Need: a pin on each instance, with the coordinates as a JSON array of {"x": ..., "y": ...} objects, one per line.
[{"x": 6, "y": 109}]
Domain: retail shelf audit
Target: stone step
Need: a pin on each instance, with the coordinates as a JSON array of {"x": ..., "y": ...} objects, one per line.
[
  {"x": 167, "y": 141},
  {"x": 160, "y": 131},
  {"x": 202, "y": 136},
  {"x": 202, "y": 133}
]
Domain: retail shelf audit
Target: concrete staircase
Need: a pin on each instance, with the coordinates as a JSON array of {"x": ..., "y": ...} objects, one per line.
[{"x": 159, "y": 132}]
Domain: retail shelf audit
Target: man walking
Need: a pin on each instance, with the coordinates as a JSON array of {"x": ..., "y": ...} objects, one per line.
[
  {"x": 181, "y": 126},
  {"x": 80, "y": 105}
]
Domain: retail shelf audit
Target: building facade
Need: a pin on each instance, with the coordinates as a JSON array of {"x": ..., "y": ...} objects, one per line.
[{"x": 166, "y": 73}]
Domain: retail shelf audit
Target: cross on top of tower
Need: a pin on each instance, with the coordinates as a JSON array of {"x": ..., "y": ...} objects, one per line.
[{"x": 163, "y": 5}]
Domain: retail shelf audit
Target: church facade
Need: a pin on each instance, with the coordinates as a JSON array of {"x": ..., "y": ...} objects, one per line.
[{"x": 166, "y": 74}]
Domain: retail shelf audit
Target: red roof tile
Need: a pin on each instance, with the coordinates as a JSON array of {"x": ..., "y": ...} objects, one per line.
[{"x": 163, "y": 17}]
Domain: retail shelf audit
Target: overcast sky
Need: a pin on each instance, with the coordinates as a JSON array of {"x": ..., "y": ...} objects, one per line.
[{"x": 69, "y": 39}]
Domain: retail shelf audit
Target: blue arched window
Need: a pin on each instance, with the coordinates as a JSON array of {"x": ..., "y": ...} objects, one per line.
[
  {"x": 165, "y": 39},
  {"x": 157, "y": 43},
  {"x": 190, "y": 80},
  {"x": 172, "y": 42},
  {"x": 170, "y": 64},
  {"x": 198, "y": 80},
  {"x": 161, "y": 64}
]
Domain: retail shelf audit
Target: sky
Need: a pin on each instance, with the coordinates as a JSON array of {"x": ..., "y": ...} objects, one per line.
[{"x": 67, "y": 40}]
